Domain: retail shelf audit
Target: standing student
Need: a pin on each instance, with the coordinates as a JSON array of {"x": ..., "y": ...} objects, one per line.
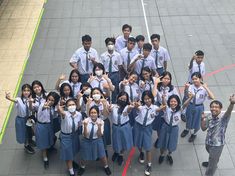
[
  {"x": 122, "y": 137},
  {"x": 160, "y": 54},
  {"x": 84, "y": 58},
  {"x": 112, "y": 62},
  {"x": 143, "y": 60},
  {"x": 127, "y": 54},
  {"x": 71, "y": 120},
  {"x": 121, "y": 41},
  {"x": 196, "y": 107},
  {"x": 97, "y": 99},
  {"x": 99, "y": 79},
  {"x": 132, "y": 89},
  {"x": 92, "y": 146},
  {"x": 216, "y": 124},
  {"x": 143, "y": 127},
  {"x": 168, "y": 138},
  {"x": 44, "y": 126},
  {"x": 74, "y": 81},
  {"x": 23, "y": 134},
  {"x": 139, "y": 43}
]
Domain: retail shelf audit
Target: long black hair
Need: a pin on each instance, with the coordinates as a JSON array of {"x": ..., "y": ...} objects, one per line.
[
  {"x": 120, "y": 110},
  {"x": 36, "y": 82},
  {"x": 55, "y": 96},
  {"x": 25, "y": 86},
  {"x": 177, "y": 99},
  {"x": 62, "y": 90},
  {"x": 171, "y": 87}
]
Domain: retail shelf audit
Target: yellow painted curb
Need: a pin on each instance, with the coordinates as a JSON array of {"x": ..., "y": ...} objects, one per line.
[{"x": 20, "y": 77}]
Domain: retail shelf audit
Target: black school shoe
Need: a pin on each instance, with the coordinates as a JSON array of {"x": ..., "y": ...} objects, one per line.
[
  {"x": 81, "y": 171},
  {"x": 192, "y": 138},
  {"x": 161, "y": 159},
  {"x": 141, "y": 157},
  {"x": 107, "y": 171},
  {"x": 184, "y": 133},
  {"x": 75, "y": 165},
  {"x": 115, "y": 156},
  {"x": 148, "y": 170},
  {"x": 46, "y": 164},
  {"x": 29, "y": 149},
  {"x": 169, "y": 159},
  {"x": 205, "y": 164},
  {"x": 120, "y": 160}
]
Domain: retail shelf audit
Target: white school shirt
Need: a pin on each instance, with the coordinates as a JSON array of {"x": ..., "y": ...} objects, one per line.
[
  {"x": 120, "y": 43},
  {"x": 135, "y": 90},
  {"x": 44, "y": 114},
  {"x": 114, "y": 115},
  {"x": 163, "y": 55},
  {"x": 79, "y": 57},
  {"x": 116, "y": 60},
  {"x": 139, "y": 50},
  {"x": 143, "y": 111},
  {"x": 21, "y": 106},
  {"x": 67, "y": 122},
  {"x": 75, "y": 87},
  {"x": 195, "y": 68},
  {"x": 148, "y": 62},
  {"x": 124, "y": 56},
  {"x": 201, "y": 94},
  {"x": 101, "y": 108},
  {"x": 89, "y": 127},
  {"x": 95, "y": 82},
  {"x": 147, "y": 85},
  {"x": 176, "y": 116},
  {"x": 165, "y": 90},
  {"x": 38, "y": 101}
]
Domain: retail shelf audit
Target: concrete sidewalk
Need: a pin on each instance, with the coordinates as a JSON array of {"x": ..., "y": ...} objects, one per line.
[{"x": 185, "y": 26}]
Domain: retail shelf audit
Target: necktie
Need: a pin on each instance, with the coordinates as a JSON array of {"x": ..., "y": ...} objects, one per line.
[
  {"x": 194, "y": 98},
  {"x": 87, "y": 62},
  {"x": 125, "y": 43},
  {"x": 199, "y": 68},
  {"x": 139, "y": 50},
  {"x": 150, "y": 87},
  {"x": 73, "y": 125},
  {"x": 51, "y": 115},
  {"x": 92, "y": 131},
  {"x": 99, "y": 85},
  {"x": 73, "y": 90},
  {"x": 110, "y": 64},
  {"x": 131, "y": 93},
  {"x": 171, "y": 121},
  {"x": 39, "y": 100},
  {"x": 27, "y": 108},
  {"x": 145, "y": 117},
  {"x": 143, "y": 62},
  {"x": 128, "y": 58},
  {"x": 119, "y": 119},
  {"x": 156, "y": 59}
]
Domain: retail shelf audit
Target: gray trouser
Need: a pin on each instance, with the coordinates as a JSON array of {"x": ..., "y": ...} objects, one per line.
[{"x": 214, "y": 155}]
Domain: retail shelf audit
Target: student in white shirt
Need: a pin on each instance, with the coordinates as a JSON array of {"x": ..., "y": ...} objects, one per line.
[
  {"x": 84, "y": 58},
  {"x": 160, "y": 54},
  {"x": 139, "y": 43},
  {"x": 121, "y": 41}
]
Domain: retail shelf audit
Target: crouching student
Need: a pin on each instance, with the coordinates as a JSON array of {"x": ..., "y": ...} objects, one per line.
[
  {"x": 143, "y": 127},
  {"x": 22, "y": 105},
  {"x": 121, "y": 130},
  {"x": 168, "y": 138},
  {"x": 44, "y": 132},
  {"x": 69, "y": 136},
  {"x": 92, "y": 146}
]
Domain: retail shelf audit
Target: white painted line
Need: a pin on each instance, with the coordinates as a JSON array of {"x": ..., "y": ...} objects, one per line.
[
  {"x": 145, "y": 19},
  {"x": 207, "y": 112}
]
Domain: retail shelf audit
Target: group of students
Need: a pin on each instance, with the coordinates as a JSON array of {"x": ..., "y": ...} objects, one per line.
[{"x": 116, "y": 99}]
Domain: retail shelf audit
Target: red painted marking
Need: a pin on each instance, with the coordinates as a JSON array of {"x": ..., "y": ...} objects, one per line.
[
  {"x": 128, "y": 161},
  {"x": 181, "y": 89}
]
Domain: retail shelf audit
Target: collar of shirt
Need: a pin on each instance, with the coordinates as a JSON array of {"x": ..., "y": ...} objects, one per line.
[
  {"x": 150, "y": 107},
  {"x": 165, "y": 88},
  {"x": 100, "y": 80},
  {"x": 110, "y": 55},
  {"x": 84, "y": 51}
]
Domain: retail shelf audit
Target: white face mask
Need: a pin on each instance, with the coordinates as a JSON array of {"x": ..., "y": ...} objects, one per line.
[
  {"x": 72, "y": 109},
  {"x": 96, "y": 97},
  {"x": 87, "y": 92},
  {"x": 110, "y": 47},
  {"x": 99, "y": 72}
]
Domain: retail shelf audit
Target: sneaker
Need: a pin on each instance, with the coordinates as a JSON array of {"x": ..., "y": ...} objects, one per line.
[
  {"x": 170, "y": 159},
  {"x": 107, "y": 171},
  {"x": 148, "y": 170},
  {"x": 46, "y": 164},
  {"x": 81, "y": 170},
  {"x": 141, "y": 157},
  {"x": 32, "y": 143},
  {"x": 120, "y": 160},
  {"x": 29, "y": 149},
  {"x": 161, "y": 159},
  {"x": 75, "y": 165},
  {"x": 192, "y": 138},
  {"x": 183, "y": 117},
  {"x": 205, "y": 164},
  {"x": 184, "y": 133},
  {"x": 115, "y": 156}
]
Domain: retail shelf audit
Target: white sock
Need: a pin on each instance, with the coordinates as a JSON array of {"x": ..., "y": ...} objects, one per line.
[
  {"x": 106, "y": 166},
  {"x": 71, "y": 171},
  {"x": 149, "y": 164},
  {"x": 83, "y": 166},
  {"x": 45, "y": 159}
]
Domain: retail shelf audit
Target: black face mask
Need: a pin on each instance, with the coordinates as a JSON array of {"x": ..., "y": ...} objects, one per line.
[{"x": 121, "y": 103}]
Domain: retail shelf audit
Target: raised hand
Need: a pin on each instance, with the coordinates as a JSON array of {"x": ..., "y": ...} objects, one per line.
[
  {"x": 8, "y": 95},
  {"x": 62, "y": 77},
  {"x": 232, "y": 99}
]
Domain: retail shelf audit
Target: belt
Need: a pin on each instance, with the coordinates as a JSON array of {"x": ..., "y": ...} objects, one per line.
[
  {"x": 21, "y": 117},
  {"x": 197, "y": 104},
  {"x": 43, "y": 122},
  {"x": 91, "y": 139},
  {"x": 171, "y": 126},
  {"x": 143, "y": 125},
  {"x": 121, "y": 124},
  {"x": 65, "y": 133}
]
